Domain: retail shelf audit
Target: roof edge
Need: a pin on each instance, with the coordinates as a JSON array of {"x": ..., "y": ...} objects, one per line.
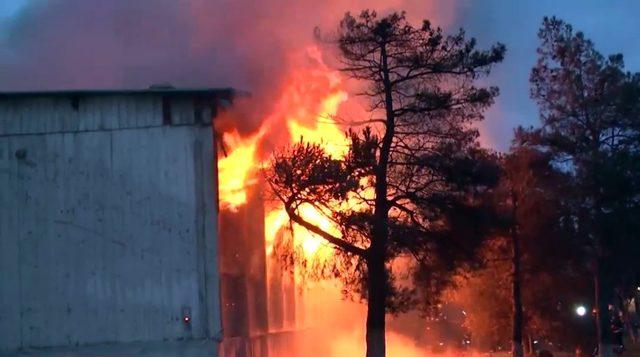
[{"x": 224, "y": 93}]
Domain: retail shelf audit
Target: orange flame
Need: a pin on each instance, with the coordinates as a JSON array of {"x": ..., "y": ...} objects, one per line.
[
  {"x": 235, "y": 171},
  {"x": 306, "y": 108}
]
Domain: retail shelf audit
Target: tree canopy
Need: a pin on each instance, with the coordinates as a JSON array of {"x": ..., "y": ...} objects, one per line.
[
  {"x": 408, "y": 186},
  {"x": 589, "y": 107}
]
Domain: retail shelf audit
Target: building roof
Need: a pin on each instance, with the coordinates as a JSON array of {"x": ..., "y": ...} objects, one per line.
[
  {"x": 63, "y": 111},
  {"x": 222, "y": 93}
]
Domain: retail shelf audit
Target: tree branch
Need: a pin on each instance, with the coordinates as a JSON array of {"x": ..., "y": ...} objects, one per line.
[{"x": 338, "y": 242}]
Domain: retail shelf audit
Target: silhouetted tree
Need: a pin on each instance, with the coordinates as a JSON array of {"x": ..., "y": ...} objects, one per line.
[
  {"x": 530, "y": 280},
  {"x": 406, "y": 188},
  {"x": 529, "y": 196},
  {"x": 589, "y": 108}
]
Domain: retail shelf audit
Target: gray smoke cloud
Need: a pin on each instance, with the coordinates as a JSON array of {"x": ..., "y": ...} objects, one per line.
[
  {"x": 244, "y": 44},
  {"x": 58, "y": 44}
]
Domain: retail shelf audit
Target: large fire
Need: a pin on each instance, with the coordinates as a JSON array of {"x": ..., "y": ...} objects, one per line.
[
  {"x": 306, "y": 108},
  {"x": 236, "y": 171}
]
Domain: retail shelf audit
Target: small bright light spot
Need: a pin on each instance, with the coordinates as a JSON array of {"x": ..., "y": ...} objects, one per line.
[
  {"x": 535, "y": 342},
  {"x": 441, "y": 343},
  {"x": 638, "y": 288},
  {"x": 581, "y": 310},
  {"x": 464, "y": 313}
]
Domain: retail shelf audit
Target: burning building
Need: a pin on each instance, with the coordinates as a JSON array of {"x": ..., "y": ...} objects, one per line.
[
  {"x": 130, "y": 223},
  {"x": 243, "y": 274},
  {"x": 114, "y": 181},
  {"x": 120, "y": 234}
]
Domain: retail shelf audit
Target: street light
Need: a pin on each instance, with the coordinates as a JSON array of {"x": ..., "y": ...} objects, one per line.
[{"x": 581, "y": 310}]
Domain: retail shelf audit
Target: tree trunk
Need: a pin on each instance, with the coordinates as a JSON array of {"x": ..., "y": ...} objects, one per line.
[
  {"x": 516, "y": 342},
  {"x": 377, "y": 274},
  {"x": 603, "y": 292},
  {"x": 603, "y": 323},
  {"x": 376, "y": 304}
]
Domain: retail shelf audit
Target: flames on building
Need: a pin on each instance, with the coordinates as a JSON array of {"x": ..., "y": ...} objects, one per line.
[
  {"x": 306, "y": 110},
  {"x": 262, "y": 47},
  {"x": 260, "y": 297},
  {"x": 267, "y": 308}
]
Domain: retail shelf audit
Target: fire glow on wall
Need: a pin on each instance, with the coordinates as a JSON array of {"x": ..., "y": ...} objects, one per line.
[
  {"x": 259, "y": 296},
  {"x": 306, "y": 109}
]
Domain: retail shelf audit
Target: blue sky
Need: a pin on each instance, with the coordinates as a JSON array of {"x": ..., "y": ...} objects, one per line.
[
  {"x": 613, "y": 26},
  {"x": 11, "y": 7},
  {"x": 81, "y": 50}
]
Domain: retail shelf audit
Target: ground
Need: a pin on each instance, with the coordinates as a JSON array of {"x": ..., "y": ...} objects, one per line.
[{"x": 198, "y": 348}]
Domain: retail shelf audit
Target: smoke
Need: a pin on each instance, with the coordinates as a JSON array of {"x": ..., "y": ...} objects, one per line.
[
  {"x": 244, "y": 44},
  {"x": 252, "y": 45}
]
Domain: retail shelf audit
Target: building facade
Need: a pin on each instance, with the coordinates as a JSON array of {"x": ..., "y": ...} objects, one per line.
[{"x": 108, "y": 218}]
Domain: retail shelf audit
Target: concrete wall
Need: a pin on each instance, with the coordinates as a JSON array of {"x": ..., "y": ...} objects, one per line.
[{"x": 107, "y": 221}]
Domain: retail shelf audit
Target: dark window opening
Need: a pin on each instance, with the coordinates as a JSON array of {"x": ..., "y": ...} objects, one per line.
[
  {"x": 75, "y": 102},
  {"x": 166, "y": 111},
  {"x": 197, "y": 113}
]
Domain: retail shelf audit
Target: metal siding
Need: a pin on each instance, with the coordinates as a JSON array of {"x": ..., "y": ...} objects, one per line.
[
  {"x": 182, "y": 111},
  {"x": 100, "y": 227},
  {"x": 42, "y": 115},
  {"x": 10, "y": 299}
]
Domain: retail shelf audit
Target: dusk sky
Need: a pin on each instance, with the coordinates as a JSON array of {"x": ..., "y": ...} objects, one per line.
[{"x": 612, "y": 25}]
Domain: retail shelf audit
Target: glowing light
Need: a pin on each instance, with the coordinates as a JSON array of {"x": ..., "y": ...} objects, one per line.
[
  {"x": 235, "y": 170},
  {"x": 311, "y": 243},
  {"x": 274, "y": 221},
  {"x": 581, "y": 310},
  {"x": 307, "y": 107},
  {"x": 324, "y": 131}
]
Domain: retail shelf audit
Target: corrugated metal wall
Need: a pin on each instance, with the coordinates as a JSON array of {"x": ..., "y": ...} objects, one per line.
[{"x": 107, "y": 222}]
